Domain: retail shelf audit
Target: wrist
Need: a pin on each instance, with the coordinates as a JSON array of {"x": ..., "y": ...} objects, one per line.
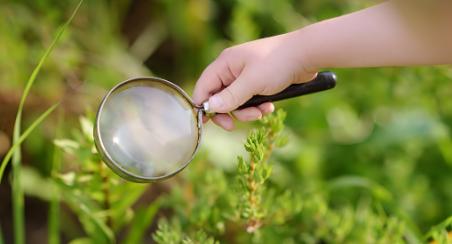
[{"x": 305, "y": 49}]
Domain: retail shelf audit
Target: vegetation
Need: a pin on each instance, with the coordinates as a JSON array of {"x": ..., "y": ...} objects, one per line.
[{"x": 368, "y": 162}]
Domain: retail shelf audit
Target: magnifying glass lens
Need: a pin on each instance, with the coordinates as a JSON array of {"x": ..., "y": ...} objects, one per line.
[{"x": 148, "y": 129}]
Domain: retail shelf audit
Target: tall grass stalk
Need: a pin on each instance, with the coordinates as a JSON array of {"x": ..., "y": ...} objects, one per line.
[
  {"x": 24, "y": 136},
  {"x": 54, "y": 206},
  {"x": 18, "y": 205},
  {"x": 1, "y": 235},
  {"x": 16, "y": 188}
]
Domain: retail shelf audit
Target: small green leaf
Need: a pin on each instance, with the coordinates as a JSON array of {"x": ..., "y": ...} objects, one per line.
[
  {"x": 68, "y": 178},
  {"x": 242, "y": 166},
  {"x": 87, "y": 128},
  {"x": 22, "y": 138},
  {"x": 282, "y": 141},
  {"x": 167, "y": 234},
  {"x": 68, "y": 146},
  {"x": 83, "y": 240}
]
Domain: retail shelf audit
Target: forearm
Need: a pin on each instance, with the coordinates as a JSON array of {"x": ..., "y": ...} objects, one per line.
[{"x": 383, "y": 35}]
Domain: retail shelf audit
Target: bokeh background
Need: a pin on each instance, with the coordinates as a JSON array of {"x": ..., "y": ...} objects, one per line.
[{"x": 382, "y": 136}]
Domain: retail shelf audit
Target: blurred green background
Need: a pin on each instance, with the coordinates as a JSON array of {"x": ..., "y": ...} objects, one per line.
[{"x": 385, "y": 127}]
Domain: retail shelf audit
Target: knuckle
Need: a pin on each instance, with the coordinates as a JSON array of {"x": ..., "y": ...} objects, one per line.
[
  {"x": 231, "y": 99},
  {"x": 227, "y": 52}
]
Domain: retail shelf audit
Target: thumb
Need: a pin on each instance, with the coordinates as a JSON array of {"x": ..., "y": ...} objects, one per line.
[{"x": 231, "y": 97}]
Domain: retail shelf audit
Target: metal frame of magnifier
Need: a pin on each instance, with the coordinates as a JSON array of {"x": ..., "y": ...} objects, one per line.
[{"x": 126, "y": 174}]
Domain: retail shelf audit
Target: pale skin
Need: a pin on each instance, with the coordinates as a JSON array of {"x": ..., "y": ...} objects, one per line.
[{"x": 393, "y": 33}]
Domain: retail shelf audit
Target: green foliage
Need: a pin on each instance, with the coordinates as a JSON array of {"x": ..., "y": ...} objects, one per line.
[
  {"x": 252, "y": 175},
  {"x": 24, "y": 136},
  {"x": 102, "y": 200},
  {"x": 259, "y": 211},
  {"x": 18, "y": 138},
  {"x": 143, "y": 218},
  {"x": 171, "y": 234},
  {"x": 1, "y": 236},
  {"x": 441, "y": 233},
  {"x": 367, "y": 162},
  {"x": 167, "y": 233}
]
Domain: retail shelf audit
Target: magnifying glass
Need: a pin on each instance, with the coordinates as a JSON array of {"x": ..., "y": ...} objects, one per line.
[{"x": 148, "y": 129}]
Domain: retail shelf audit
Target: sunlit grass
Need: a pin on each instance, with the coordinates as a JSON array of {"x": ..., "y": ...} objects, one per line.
[{"x": 18, "y": 138}]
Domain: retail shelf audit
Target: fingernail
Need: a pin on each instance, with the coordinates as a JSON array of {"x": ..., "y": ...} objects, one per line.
[{"x": 215, "y": 102}]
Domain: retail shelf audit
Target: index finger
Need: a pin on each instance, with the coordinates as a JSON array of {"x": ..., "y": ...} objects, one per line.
[{"x": 215, "y": 77}]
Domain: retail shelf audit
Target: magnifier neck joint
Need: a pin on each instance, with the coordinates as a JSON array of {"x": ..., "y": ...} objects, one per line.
[{"x": 205, "y": 108}]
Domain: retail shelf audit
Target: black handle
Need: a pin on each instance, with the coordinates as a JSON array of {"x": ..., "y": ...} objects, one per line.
[{"x": 324, "y": 81}]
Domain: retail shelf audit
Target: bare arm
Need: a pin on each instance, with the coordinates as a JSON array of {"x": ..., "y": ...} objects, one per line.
[{"x": 393, "y": 33}]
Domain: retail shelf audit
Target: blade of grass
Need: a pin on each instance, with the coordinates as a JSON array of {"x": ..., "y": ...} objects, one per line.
[
  {"x": 85, "y": 207},
  {"x": 24, "y": 136},
  {"x": 1, "y": 235},
  {"x": 54, "y": 219},
  {"x": 54, "y": 207},
  {"x": 18, "y": 213},
  {"x": 17, "y": 191},
  {"x": 141, "y": 222}
]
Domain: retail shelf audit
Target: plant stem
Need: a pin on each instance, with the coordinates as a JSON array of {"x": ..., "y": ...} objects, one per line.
[
  {"x": 106, "y": 192},
  {"x": 1, "y": 236},
  {"x": 22, "y": 138},
  {"x": 18, "y": 202},
  {"x": 269, "y": 149},
  {"x": 54, "y": 207},
  {"x": 16, "y": 186},
  {"x": 253, "y": 222},
  {"x": 54, "y": 219}
]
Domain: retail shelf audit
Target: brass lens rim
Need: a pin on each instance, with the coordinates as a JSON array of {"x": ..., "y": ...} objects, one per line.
[{"x": 116, "y": 167}]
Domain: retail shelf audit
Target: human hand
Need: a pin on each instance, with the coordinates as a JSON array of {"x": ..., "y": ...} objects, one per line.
[{"x": 261, "y": 67}]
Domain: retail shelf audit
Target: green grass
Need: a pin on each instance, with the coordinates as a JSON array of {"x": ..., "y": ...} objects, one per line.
[
  {"x": 18, "y": 138},
  {"x": 1, "y": 236},
  {"x": 54, "y": 205}
]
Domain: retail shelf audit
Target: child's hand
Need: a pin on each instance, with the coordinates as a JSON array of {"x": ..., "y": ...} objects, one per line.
[
  {"x": 261, "y": 67},
  {"x": 388, "y": 34}
]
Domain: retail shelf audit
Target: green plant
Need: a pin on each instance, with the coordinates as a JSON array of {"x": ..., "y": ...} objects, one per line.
[
  {"x": 1, "y": 236},
  {"x": 252, "y": 175},
  {"x": 18, "y": 138},
  {"x": 171, "y": 234},
  {"x": 367, "y": 162},
  {"x": 215, "y": 204},
  {"x": 257, "y": 210},
  {"x": 102, "y": 201},
  {"x": 441, "y": 233}
]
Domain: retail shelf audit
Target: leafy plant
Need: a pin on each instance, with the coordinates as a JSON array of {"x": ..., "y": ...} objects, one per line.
[
  {"x": 102, "y": 201},
  {"x": 258, "y": 211},
  {"x": 171, "y": 234},
  {"x": 367, "y": 163},
  {"x": 252, "y": 175},
  {"x": 442, "y": 233},
  {"x": 18, "y": 138}
]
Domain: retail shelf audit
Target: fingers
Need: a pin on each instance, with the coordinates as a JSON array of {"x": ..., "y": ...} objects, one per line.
[
  {"x": 305, "y": 78},
  {"x": 237, "y": 93},
  {"x": 216, "y": 76},
  {"x": 247, "y": 114},
  {"x": 224, "y": 120},
  {"x": 267, "y": 108},
  {"x": 207, "y": 83},
  {"x": 254, "y": 113}
]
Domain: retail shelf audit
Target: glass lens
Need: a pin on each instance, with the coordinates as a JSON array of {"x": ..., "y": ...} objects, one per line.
[{"x": 148, "y": 129}]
